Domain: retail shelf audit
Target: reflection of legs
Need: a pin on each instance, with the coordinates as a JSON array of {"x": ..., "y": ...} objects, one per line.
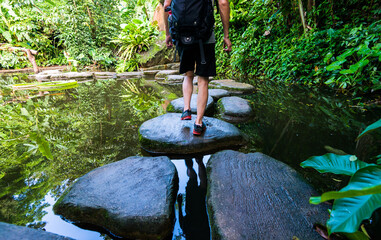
[
  {"x": 190, "y": 171},
  {"x": 202, "y": 98},
  {"x": 188, "y": 89},
  {"x": 201, "y": 172}
]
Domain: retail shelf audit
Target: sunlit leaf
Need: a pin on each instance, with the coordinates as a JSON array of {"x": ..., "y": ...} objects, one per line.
[
  {"x": 7, "y": 35},
  {"x": 333, "y": 163}
]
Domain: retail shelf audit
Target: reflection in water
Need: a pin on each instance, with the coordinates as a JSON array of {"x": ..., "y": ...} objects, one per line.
[{"x": 195, "y": 223}]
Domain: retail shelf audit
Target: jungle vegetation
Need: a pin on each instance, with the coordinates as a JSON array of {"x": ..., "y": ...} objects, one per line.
[{"x": 320, "y": 43}]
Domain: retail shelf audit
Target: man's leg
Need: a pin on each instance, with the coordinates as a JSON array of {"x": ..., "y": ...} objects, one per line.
[
  {"x": 188, "y": 89},
  {"x": 202, "y": 98}
]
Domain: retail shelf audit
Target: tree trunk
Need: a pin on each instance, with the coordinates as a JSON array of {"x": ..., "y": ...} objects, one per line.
[
  {"x": 30, "y": 53},
  {"x": 309, "y": 5},
  {"x": 302, "y": 15}
]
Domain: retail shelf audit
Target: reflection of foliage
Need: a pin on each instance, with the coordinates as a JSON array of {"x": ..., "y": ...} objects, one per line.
[
  {"x": 357, "y": 201},
  {"x": 46, "y": 143},
  {"x": 293, "y": 123}
]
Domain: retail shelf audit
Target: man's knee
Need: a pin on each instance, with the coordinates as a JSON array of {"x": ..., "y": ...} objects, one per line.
[
  {"x": 189, "y": 74},
  {"x": 202, "y": 81}
]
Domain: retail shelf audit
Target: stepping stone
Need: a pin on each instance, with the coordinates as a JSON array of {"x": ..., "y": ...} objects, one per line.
[
  {"x": 218, "y": 93},
  {"x": 253, "y": 196},
  {"x": 157, "y": 67},
  {"x": 133, "y": 198},
  {"x": 171, "y": 79},
  {"x": 162, "y": 75},
  {"x": 129, "y": 75},
  {"x": 234, "y": 109},
  {"x": 174, "y": 66},
  {"x": 168, "y": 135},
  {"x": 104, "y": 75},
  {"x": 232, "y": 86},
  {"x": 14, "y": 232},
  {"x": 177, "y": 105},
  {"x": 71, "y": 76},
  {"x": 150, "y": 72}
]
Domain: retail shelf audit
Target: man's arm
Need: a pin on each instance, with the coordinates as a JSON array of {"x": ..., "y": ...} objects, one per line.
[
  {"x": 168, "y": 38},
  {"x": 225, "y": 17}
]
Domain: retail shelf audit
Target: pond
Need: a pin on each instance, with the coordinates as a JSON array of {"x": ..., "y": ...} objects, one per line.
[{"x": 49, "y": 141}]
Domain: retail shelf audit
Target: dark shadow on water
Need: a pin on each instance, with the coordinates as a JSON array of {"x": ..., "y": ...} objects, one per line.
[{"x": 195, "y": 224}]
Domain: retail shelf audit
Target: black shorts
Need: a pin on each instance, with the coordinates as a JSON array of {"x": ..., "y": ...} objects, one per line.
[{"x": 190, "y": 55}]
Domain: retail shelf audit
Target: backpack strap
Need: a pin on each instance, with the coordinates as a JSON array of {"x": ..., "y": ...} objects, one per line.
[{"x": 202, "y": 53}]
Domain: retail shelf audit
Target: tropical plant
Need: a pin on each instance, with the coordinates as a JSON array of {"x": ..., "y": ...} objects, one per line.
[
  {"x": 136, "y": 37},
  {"x": 360, "y": 198}
]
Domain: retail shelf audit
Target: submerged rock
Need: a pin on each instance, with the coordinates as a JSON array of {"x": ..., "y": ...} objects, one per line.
[
  {"x": 169, "y": 135},
  {"x": 232, "y": 86},
  {"x": 234, "y": 109},
  {"x": 253, "y": 196},
  {"x": 132, "y": 198},
  {"x": 13, "y": 232},
  {"x": 177, "y": 105}
]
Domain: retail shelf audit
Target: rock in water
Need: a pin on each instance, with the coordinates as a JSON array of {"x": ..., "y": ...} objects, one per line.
[
  {"x": 232, "y": 86},
  {"x": 13, "y": 232},
  {"x": 253, "y": 196},
  {"x": 169, "y": 135},
  {"x": 177, "y": 105},
  {"x": 234, "y": 109},
  {"x": 218, "y": 93},
  {"x": 133, "y": 198}
]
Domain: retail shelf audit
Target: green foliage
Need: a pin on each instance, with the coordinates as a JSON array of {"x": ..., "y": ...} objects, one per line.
[
  {"x": 357, "y": 201},
  {"x": 340, "y": 50},
  {"x": 135, "y": 37}
]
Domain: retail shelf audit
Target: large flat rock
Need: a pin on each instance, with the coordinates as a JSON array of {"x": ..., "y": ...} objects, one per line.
[
  {"x": 177, "y": 105},
  {"x": 253, "y": 196},
  {"x": 169, "y": 135},
  {"x": 133, "y": 198},
  {"x": 14, "y": 232}
]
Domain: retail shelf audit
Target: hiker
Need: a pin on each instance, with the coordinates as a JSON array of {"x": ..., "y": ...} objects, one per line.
[{"x": 201, "y": 53}]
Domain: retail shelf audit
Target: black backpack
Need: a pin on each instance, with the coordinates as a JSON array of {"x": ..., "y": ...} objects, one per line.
[{"x": 191, "y": 22}]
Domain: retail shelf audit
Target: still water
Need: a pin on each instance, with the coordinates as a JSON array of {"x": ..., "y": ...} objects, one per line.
[{"x": 96, "y": 123}]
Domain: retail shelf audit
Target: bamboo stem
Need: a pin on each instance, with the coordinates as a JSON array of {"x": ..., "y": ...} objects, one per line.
[{"x": 302, "y": 15}]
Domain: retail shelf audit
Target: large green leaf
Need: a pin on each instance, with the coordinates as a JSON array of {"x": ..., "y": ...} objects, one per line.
[
  {"x": 346, "y": 54},
  {"x": 348, "y": 213},
  {"x": 333, "y": 163},
  {"x": 370, "y": 128},
  {"x": 345, "y": 194},
  {"x": 43, "y": 145},
  {"x": 335, "y": 65}
]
